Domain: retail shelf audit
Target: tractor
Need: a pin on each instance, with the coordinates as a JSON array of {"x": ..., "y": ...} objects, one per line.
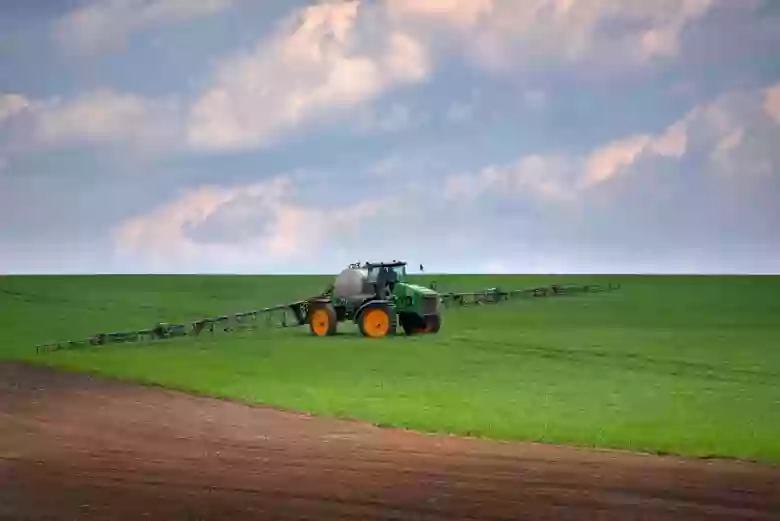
[{"x": 376, "y": 297}]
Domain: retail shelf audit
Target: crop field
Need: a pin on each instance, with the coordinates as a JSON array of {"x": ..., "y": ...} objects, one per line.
[{"x": 685, "y": 365}]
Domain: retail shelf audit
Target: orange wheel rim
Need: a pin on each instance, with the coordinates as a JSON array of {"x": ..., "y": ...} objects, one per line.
[
  {"x": 376, "y": 323},
  {"x": 320, "y": 322}
]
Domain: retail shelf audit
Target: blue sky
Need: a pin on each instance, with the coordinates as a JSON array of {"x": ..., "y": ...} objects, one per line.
[{"x": 581, "y": 136}]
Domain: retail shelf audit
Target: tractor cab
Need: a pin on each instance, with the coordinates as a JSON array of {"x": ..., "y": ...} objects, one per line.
[
  {"x": 394, "y": 271},
  {"x": 382, "y": 276}
]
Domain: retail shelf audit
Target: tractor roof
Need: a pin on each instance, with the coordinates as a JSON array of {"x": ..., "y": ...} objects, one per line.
[
  {"x": 369, "y": 265},
  {"x": 393, "y": 264}
]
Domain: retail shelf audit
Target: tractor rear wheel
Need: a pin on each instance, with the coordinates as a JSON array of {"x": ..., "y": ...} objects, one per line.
[
  {"x": 323, "y": 320},
  {"x": 376, "y": 321}
]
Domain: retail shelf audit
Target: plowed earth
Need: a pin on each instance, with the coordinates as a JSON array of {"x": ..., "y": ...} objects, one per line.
[{"x": 74, "y": 446}]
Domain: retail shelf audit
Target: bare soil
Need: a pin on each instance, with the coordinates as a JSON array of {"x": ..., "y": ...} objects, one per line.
[{"x": 74, "y": 446}]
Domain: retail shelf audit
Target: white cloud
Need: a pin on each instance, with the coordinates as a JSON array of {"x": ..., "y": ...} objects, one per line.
[
  {"x": 12, "y": 104},
  {"x": 606, "y": 162},
  {"x": 733, "y": 132},
  {"x": 331, "y": 57},
  {"x": 738, "y": 135},
  {"x": 620, "y": 155},
  {"x": 316, "y": 64},
  {"x": 574, "y": 197},
  {"x": 734, "y": 136},
  {"x": 510, "y": 32},
  {"x": 250, "y": 226},
  {"x": 101, "y": 24},
  {"x": 459, "y": 13},
  {"x": 103, "y": 116},
  {"x": 97, "y": 118},
  {"x": 673, "y": 142},
  {"x": 772, "y": 101},
  {"x": 662, "y": 38},
  {"x": 530, "y": 177},
  {"x": 727, "y": 145}
]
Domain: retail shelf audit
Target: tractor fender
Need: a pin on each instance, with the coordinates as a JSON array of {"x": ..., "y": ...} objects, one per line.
[{"x": 369, "y": 304}]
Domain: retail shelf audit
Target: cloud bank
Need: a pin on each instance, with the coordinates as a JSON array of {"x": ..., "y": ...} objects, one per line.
[{"x": 468, "y": 134}]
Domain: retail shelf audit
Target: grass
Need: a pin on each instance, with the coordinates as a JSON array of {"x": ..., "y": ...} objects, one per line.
[{"x": 685, "y": 365}]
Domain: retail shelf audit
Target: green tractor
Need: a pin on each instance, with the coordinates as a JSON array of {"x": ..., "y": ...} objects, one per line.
[{"x": 376, "y": 297}]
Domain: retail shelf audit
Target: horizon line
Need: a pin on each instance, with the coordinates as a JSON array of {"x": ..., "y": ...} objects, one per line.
[{"x": 440, "y": 273}]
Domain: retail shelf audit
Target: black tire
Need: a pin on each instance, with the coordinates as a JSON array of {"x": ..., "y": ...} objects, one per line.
[
  {"x": 323, "y": 320},
  {"x": 433, "y": 323},
  {"x": 412, "y": 323}
]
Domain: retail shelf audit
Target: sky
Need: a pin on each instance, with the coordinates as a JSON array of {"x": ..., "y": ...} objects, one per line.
[{"x": 502, "y": 136}]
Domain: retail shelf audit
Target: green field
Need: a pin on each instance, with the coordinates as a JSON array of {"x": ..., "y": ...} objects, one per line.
[{"x": 687, "y": 365}]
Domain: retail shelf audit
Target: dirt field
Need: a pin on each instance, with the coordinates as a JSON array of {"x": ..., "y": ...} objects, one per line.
[{"x": 79, "y": 447}]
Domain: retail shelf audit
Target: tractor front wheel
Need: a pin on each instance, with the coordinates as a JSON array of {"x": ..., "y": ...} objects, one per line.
[
  {"x": 376, "y": 321},
  {"x": 414, "y": 324},
  {"x": 432, "y": 323},
  {"x": 323, "y": 320}
]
